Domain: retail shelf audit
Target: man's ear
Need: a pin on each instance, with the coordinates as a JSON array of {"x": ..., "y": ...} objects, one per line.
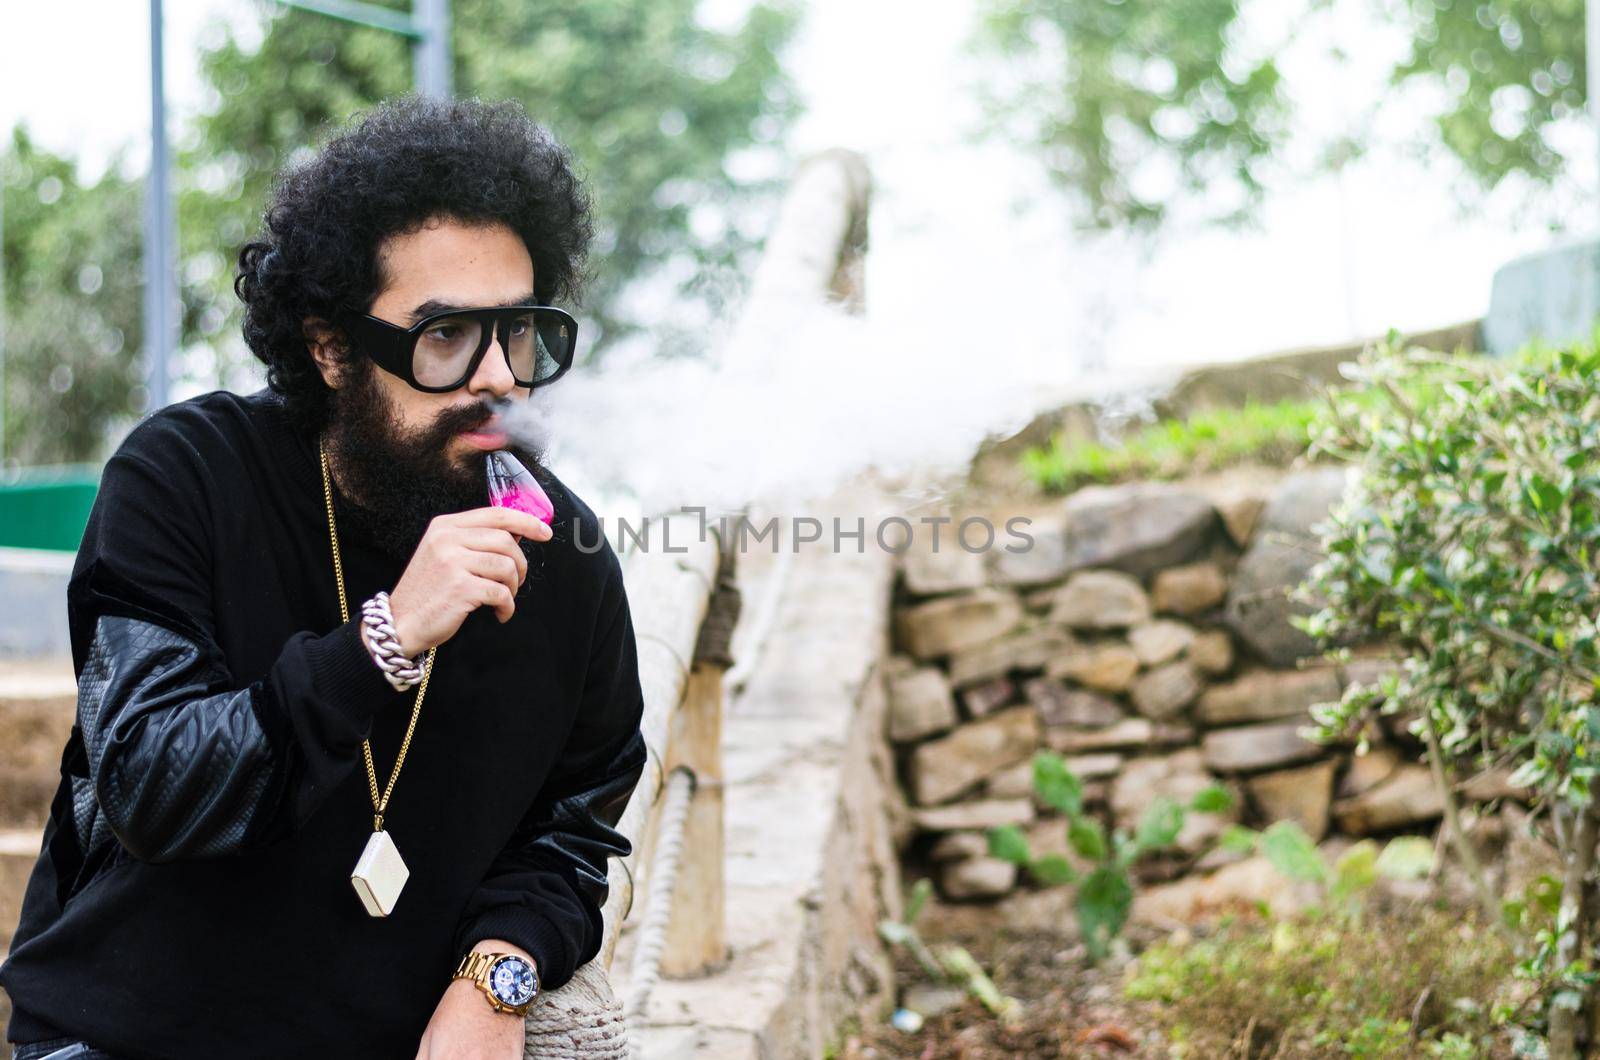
[{"x": 325, "y": 344}]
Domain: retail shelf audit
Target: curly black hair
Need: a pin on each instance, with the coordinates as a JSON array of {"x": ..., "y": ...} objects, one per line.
[{"x": 400, "y": 165}]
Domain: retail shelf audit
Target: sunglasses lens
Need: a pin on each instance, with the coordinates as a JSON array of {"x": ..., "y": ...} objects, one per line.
[
  {"x": 540, "y": 345},
  {"x": 445, "y": 349}
]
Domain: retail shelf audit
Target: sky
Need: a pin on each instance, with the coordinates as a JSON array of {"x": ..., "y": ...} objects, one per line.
[
  {"x": 100, "y": 99},
  {"x": 974, "y": 266}
]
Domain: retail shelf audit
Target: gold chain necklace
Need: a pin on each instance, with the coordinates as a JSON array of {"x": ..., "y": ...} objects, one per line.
[{"x": 379, "y": 873}]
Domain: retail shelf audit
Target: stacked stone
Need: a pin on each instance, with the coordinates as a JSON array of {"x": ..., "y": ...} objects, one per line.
[{"x": 1146, "y": 636}]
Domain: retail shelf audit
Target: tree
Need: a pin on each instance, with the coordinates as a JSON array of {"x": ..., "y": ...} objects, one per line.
[
  {"x": 72, "y": 296},
  {"x": 1112, "y": 90},
  {"x": 653, "y": 103},
  {"x": 1107, "y": 88},
  {"x": 1511, "y": 70}
]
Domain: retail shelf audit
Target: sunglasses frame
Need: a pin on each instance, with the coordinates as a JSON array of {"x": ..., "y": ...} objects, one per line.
[{"x": 392, "y": 347}]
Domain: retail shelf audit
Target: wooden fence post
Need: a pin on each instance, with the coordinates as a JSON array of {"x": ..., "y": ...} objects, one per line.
[{"x": 697, "y": 936}]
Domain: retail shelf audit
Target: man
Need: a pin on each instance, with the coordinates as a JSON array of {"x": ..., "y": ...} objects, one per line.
[{"x": 198, "y": 894}]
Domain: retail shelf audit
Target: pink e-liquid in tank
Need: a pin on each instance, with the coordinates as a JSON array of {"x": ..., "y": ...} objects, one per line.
[{"x": 513, "y": 486}]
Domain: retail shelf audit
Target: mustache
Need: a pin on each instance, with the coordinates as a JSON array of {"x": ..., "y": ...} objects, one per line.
[{"x": 468, "y": 417}]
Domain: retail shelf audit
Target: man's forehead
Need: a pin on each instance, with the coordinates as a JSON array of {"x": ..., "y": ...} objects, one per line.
[
  {"x": 454, "y": 302},
  {"x": 448, "y": 265}
]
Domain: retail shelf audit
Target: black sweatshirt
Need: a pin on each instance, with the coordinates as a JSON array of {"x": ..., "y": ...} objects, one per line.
[{"x": 192, "y": 898}]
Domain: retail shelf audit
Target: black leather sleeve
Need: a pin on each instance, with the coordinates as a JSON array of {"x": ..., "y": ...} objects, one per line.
[
  {"x": 545, "y": 890},
  {"x": 171, "y": 754},
  {"x": 185, "y": 765}
]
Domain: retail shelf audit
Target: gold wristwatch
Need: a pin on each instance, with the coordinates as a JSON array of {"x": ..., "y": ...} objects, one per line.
[{"x": 508, "y": 980}]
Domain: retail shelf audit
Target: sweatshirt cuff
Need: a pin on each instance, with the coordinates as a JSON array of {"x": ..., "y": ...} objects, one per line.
[
  {"x": 534, "y": 932},
  {"x": 346, "y": 676}
]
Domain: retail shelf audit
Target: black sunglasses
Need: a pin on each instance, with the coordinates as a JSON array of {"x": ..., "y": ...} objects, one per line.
[{"x": 441, "y": 351}]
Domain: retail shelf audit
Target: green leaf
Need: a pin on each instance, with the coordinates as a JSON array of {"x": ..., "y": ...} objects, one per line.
[
  {"x": 1406, "y": 858},
  {"x": 1103, "y": 902},
  {"x": 1544, "y": 495},
  {"x": 964, "y": 967},
  {"x": 1237, "y": 839},
  {"x": 1087, "y": 837},
  {"x": 1292, "y": 852},
  {"x": 894, "y": 932},
  {"x": 1056, "y": 785},
  {"x": 1544, "y": 893},
  {"x": 1052, "y": 870},
  {"x": 921, "y": 891},
  {"x": 1214, "y": 799},
  {"x": 1009, "y": 844},
  {"x": 1528, "y": 774},
  {"x": 1356, "y": 869},
  {"x": 1159, "y": 827}
]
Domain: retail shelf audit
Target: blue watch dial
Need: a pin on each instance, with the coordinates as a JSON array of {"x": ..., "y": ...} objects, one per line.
[{"x": 512, "y": 981}]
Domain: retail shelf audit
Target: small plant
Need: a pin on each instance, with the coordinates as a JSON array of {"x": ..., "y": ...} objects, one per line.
[
  {"x": 948, "y": 964},
  {"x": 1105, "y": 892},
  {"x": 1347, "y": 879}
]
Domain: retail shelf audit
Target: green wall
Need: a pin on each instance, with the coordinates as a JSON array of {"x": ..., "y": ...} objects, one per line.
[{"x": 47, "y": 507}]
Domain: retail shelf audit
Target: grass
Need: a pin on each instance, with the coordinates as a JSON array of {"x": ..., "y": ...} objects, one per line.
[
  {"x": 1273, "y": 433},
  {"x": 1419, "y": 983}
]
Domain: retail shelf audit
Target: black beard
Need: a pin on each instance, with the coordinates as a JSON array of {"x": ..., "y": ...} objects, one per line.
[{"x": 396, "y": 480}]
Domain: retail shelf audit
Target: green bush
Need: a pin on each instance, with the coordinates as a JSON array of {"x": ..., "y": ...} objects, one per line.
[{"x": 1469, "y": 545}]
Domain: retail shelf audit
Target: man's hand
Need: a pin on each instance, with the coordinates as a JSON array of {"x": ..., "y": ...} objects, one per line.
[
  {"x": 465, "y": 1027},
  {"x": 465, "y": 560}
]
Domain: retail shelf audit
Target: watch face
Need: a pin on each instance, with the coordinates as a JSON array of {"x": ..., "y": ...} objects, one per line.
[{"x": 512, "y": 981}]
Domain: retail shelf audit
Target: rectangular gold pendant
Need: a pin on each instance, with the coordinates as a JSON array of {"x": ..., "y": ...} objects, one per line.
[{"x": 379, "y": 874}]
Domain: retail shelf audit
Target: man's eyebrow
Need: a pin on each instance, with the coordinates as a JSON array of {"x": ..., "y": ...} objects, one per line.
[{"x": 434, "y": 305}]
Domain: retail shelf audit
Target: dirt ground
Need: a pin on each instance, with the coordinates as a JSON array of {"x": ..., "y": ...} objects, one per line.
[{"x": 1070, "y": 1009}]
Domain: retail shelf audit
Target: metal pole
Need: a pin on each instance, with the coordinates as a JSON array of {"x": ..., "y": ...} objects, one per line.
[
  {"x": 2, "y": 309},
  {"x": 427, "y": 27},
  {"x": 431, "y": 50},
  {"x": 1592, "y": 88},
  {"x": 160, "y": 243}
]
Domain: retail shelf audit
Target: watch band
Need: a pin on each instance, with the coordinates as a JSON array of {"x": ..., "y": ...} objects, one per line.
[{"x": 476, "y": 965}]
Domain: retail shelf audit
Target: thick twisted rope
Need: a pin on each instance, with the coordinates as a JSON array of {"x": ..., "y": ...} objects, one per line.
[
  {"x": 580, "y": 1021},
  {"x": 662, "y": 881}
]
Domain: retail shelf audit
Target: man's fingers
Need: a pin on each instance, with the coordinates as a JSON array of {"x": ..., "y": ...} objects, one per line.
[
  {"x": 497, "y": 542},
  {"x": 494, "y": 594},
  {"x": 508, "y": 519},
  {"x": 496, "y": 567}
]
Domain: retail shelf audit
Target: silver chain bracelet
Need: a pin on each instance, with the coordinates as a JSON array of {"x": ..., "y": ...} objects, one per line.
[{"x": 401, "y": 671}]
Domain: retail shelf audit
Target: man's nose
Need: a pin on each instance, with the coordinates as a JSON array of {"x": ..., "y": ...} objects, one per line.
[{"x": 493, "y": 376}]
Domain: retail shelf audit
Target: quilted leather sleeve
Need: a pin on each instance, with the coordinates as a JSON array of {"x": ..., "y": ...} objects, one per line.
[
  {"x": 546, "y": 889},
  {"x": 177, "y": 757},
  {"x": 172, "y": 783},
  {"x": 182, "y": 765}
]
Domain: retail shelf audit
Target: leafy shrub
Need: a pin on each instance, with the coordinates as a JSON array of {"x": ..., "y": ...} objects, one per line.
[{"x": 1469, "y": 544}]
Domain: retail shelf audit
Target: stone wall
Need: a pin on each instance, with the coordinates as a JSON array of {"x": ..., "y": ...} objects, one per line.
[{"x": 1146, "y": 636}]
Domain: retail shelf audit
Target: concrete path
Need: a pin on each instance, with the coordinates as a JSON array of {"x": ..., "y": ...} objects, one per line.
[{"x": 810, "y": 866}]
